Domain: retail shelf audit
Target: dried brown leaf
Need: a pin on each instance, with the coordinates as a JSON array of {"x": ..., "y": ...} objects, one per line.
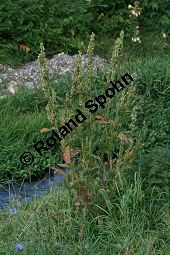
[
  {"x": 130, "y": 153},
  {"x": 123, "y": 138},
  {"x": 67, "y": 155},
  {"x": 103, "y": 122},
  {"x": 25, "y": 48},
  {"x": 44, "y": 130}
]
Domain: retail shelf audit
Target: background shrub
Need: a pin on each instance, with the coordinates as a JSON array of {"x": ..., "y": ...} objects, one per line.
[{"x": 66, "y": 25}]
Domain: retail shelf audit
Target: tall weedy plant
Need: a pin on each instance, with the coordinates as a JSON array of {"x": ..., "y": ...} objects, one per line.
[
  {"x": 99, "y": 150},
  {"x": 48, "y": 91}
]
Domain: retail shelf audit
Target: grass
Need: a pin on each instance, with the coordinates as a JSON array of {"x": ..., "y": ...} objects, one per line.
[
  {"x": 131, "y": 221},
  {"x": 121, "y": 208},
  {"x": 23, "y": 117}
]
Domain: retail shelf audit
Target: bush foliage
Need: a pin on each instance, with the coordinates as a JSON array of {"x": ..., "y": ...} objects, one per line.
[{"x": 66, "y": 25}]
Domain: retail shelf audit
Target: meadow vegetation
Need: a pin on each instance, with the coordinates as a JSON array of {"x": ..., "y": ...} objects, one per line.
[{"x": 116, "y": 200}]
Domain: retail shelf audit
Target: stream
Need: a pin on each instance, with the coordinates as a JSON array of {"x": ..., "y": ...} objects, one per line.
[{"x": 28, "y": 190}]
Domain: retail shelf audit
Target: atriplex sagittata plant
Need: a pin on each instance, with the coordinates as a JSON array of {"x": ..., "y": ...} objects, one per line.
[{"x": 102, "y": 148}]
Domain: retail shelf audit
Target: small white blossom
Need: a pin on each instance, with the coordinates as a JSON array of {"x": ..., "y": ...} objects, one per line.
[
  {"x": 164, "y": 35},
  {"x": 130, "y": 6},
  {"x": 138, "y": 40},
  {"x": 133, "y": 12}
]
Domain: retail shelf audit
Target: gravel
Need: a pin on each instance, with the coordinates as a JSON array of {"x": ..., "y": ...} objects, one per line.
[{"x": 29, "y": 74}]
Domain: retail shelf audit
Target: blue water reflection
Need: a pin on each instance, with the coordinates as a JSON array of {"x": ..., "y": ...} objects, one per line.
[{"x": 29, "y": 190}]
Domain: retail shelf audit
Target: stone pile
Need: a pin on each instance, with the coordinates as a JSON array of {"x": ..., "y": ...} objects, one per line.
[{"x": 28, "y": 75}]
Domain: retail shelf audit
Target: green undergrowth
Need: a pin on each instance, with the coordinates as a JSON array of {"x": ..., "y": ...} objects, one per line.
[
  {"x": 60, "y": 28},
  {"x": 128, "y": 220},
  {"x": 23, "y": 115},
  {"x": 116, "y": 199}
]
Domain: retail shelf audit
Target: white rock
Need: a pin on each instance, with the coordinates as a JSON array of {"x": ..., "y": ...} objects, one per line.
[
  {"x": 60, "y": 54},
  {"x": 29, "y": 85},
  {"x": 1, "y": 67},
  {"x": 0, "y": 81},
  {"x": 4, "y": 75},
  {"x": 12, "y": 86}
]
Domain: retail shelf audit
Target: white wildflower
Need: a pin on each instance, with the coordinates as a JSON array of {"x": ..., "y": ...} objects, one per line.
[
  {"x": 133, "y": 12},
  {"x": 138, "y": 40},
  {"x": 130, "y": 6},
  {"x": 164, "y": 35}
]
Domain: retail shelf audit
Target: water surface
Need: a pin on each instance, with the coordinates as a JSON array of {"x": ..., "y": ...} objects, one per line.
[{"x": 29, "y": 190}]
